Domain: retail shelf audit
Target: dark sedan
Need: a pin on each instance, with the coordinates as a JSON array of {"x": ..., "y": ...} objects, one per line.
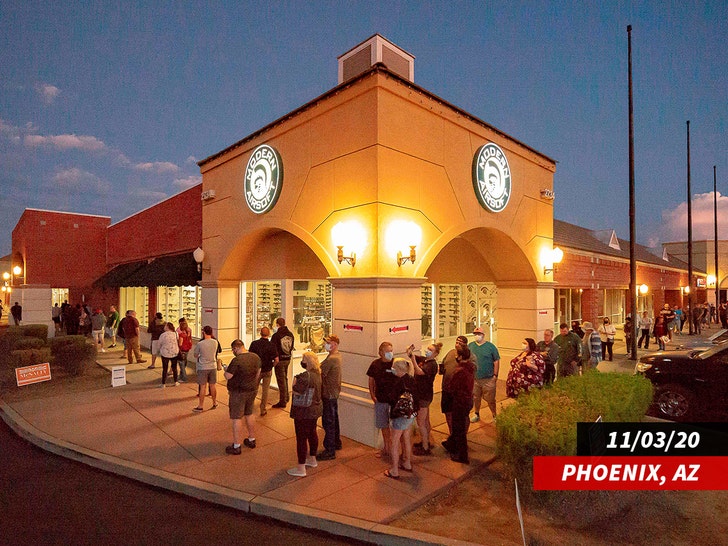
[{"x": 689, "y": 385}]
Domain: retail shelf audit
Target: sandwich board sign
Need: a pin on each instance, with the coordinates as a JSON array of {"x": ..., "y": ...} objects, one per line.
[{"x": 118, "y": 376}]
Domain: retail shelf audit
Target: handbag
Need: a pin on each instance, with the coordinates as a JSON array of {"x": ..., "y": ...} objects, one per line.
[
  {"x": 219, "y": 364},
  {"x": 403, "y": 407},
  {"x": 302, "y": 399}
]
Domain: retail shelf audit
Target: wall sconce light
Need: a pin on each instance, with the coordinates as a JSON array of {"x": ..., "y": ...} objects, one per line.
[
  {"x": 553, "y": 256},
  {"x": 685, "y": 289},
  {"x": 401, "y": 234},
  {"x": 711, "y": 281},
  {"x": 643, "y": 289},
  {"x": 199, "y": 256},
  {"x": 17, "y": 270},
  {"x": 348, "y": 234}
]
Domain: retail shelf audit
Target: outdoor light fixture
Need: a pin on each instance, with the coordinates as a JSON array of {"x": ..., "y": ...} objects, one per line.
[
  {"x": 199, "y": 256},
  {"x": 17, "y": 270},
  {"x": 400, "y": 234},
  {"x": 348, "y": 234},
  {"x": 685, "y": 289},
  {"x": 643, "y": 289},
  {"x": 711, "y": 281},
  {"x": 553, "y": 256}
]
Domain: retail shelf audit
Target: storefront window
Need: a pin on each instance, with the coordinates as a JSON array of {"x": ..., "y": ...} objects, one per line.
[
  {"x": 135, "y": 298},
  {"x": 59, "y": 295},
  {"x": 457, "y": 309},
  {"x": 268, "y": 304},
  {"x": 614, "y": 301},
  {"x": 311, "y": 313},
  {"x": 567, "y": 306},
  {"x": 175, "y": 302}
]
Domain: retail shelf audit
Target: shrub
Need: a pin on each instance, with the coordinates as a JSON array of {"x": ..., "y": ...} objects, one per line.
[
  {"x": 63, "y": 341},
  {"x": 28, "y": 343},
  {"x": 29, "y": 357},
  {"x": 75, "y": 358},
  {"x": 39, "y": 331}
]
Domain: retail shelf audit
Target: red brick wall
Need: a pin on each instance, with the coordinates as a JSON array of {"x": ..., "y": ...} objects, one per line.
[
  {"x": 63, "y": 250},
  {"x": 170, "y": 227}
]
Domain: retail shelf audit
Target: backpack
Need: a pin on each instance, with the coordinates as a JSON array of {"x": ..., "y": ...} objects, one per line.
[
  {"x": 403, "y": 407},
  {"x": 287, "y": 345},
  {"x": 120, "y": 329}
]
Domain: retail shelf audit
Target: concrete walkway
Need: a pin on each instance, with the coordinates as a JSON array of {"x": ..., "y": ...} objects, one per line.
[{"x": 151, "y": 434}]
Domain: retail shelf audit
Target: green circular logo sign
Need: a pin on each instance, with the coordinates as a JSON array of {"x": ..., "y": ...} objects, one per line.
[
  {"x": 492, "y": 177},
  {"x": 263, "y": 179}
]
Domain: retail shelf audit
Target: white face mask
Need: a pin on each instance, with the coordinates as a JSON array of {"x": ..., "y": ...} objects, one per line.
[
  {"x": 327, "y": 346},
  {"x": 479, "y": 337},
  {"x": 524, "y": 346},
  {"x": 428, "y": 353},
  {"x": 388, "y": 356}
]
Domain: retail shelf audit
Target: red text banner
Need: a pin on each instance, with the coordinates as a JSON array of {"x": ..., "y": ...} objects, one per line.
[{"x": 33, "y": 374}]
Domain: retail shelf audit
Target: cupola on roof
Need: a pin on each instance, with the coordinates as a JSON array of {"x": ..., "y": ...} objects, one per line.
[{"x": 371, "y": 51}]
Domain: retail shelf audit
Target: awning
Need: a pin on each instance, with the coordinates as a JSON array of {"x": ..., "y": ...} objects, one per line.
[{"x": 178, "y": 270}]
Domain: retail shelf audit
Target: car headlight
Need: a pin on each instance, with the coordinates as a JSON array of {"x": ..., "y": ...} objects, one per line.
[{"x": 642, "y": 367}]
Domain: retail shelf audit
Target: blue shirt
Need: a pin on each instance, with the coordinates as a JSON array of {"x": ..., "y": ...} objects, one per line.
[{"x": 486, "y": 354}]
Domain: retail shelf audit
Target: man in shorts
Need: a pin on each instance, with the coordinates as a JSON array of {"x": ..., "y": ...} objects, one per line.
[
  {"x": 206, "y": 356},
  {"x": 486, "y": 373},
  {"x": 242, "y": 376},
  {"x": 381, "y": 381}
]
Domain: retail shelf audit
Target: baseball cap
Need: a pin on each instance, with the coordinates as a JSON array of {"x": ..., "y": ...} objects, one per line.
[
  {"x": 332, "y": 337},
  {"x": 478, "y": 330}
]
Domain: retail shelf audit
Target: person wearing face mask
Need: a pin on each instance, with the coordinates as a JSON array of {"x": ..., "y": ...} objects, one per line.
[
  {"x": 460, "y": 392},
  {"x": 607, "y": 331},
  {"x": 305, "y": 416},
  {"x": 425, "y": 368},
  {"x": 330, "y": 389},
  {"x": 446, "y": 370},
  {"x": 527, "y": 370},
  {"x": 381, "y": 384},
  {"x": 486, "y": 373}
]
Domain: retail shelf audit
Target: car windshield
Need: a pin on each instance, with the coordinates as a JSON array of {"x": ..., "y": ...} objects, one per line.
[{"x": 710, "y": 352}]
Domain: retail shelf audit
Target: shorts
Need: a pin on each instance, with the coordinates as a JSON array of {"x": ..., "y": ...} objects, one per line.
[
  {"x": 206, "y": 376},
  {"x": 155, "y": 347},
  {"x": 241, "y": 403},
  {"x": 425, "y": 402},
  {"x": 485, "y": 388},
  {"x": 402, "y": 423},
  {"x": 381, "y": 414}
]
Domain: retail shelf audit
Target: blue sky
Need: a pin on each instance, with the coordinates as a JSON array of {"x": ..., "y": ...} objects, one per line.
[{"x": 106, "y": 107}]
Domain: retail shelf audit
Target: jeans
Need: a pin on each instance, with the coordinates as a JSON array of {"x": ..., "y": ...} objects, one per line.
[
  {"x": 281, "y": 370},
  {"x": 165, "y": 367},
  {"x": 330, "y": 423},
  {"x": 607, "y": 348},
  {"x": 645, "y": 337}
]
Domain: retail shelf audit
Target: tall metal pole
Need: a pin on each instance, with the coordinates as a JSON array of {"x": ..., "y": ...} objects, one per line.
[
  {"x": 691, "y": 296},
  {"x": 715, "y": 247},
  {"x": 632, "y": 235}
]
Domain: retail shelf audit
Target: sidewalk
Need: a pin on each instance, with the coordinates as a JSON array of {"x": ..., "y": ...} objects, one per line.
[{"x": 151, "y": 434}]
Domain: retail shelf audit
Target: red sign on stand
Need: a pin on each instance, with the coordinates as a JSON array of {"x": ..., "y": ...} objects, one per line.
[{"x": 33, "y": 374}]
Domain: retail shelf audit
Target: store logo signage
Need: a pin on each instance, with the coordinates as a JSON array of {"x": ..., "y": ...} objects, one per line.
[
  {"x": 263, "y": 179},
  {"x": 492, "y": 177}
]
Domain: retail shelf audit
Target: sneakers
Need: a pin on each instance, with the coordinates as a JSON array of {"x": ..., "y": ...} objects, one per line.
[
  {"x": 420, "y": 451},
  {"x": 249, "y": 443},
  {"x": 176, "y": 383},
  {"x": 295, "y": 471},
  {"x": 311, "y": 461},
  {"x": 475, "y": 418},
  {"x": 279, "y": 405},
  {"x": 232, "y": 450},
  {"x": 197, "y": 410},
  {"x": 162, "y": 386},
  {"x": 326, "y": 456}
]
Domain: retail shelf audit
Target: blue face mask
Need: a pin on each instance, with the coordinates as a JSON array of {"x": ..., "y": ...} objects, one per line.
[
  {"x": 388, "y": 356},
  {"x": 428, "y": 353}
]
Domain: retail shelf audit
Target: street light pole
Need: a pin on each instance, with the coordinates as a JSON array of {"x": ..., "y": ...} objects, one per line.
[
  {"x": 632, "y": 233},
  {"x": 690, "y": 240},
  {"x": 715, "y": 248}
]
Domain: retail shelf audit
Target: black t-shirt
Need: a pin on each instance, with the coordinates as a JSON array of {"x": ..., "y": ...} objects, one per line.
[
  {"x": 404, "y": 383},
  {"x": 265, "y": 349},
  {"x": 384, "y": 380},
  {"x": 244, "y": 368},
  {"x": 423, "y": 383}
]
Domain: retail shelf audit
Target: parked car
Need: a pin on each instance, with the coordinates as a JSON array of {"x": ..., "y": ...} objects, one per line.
[{"x": 690, "y": 385}]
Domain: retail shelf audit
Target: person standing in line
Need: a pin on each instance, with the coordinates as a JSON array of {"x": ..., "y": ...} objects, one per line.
[
  {"x": 98, "y": 320},
  {"x": 550, "y": 353},
  {"x": 168, "y": 351},
  {"x": 381, "y": 382},
  {"x": 425, "y": 372},
  {"x": 243, "y": 376},
  {"x": 459, "y": 390},
  {"x": 112, "y": 323},
  {"x": 660, "y": 332},
  {"x": 668, "y": 316},
  {"x": 576, "y": 328},
  {"x": 283, "y": 340},
  {"x": 607, "y": 331},
  {"x": 184, "y": 334},
  {"x": 305, "y": 416},
  {"x": 628, "y": 333},
  {"x": 592, "y": 349},
  {"x": 131, "y": 338},
  {"x": 645, "y": 326},
  {"x": 446, "y": 369},
  {"x": 697, "y": 315},
  {"x": 16, "y": 311},
  {"x": 569, "y": 348},
  {"x": 1, "y": 310},
  {"x": 156, "y": 328},
  {"x": 486, "y": 373},
  {"x": 266, "y": 351},
  {"x": 206, "y": 357},
  {"x": 330, "y": 390},
  {"x": 401, "y": 425},
  {"x": 723, "y": 315},
  {"x": 55, "y": 315}
]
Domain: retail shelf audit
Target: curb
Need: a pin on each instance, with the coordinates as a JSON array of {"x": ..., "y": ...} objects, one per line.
[{"x": 302, "y": 516}]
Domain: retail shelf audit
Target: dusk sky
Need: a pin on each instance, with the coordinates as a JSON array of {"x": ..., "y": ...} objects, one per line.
[{"x": 105, "y": 108}]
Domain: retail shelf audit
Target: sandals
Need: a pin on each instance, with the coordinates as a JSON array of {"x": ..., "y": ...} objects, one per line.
[
  {"x": 390, "y": 475},
  {"x": 214, "y": 406},
  {"x": 402, "y": 467}
]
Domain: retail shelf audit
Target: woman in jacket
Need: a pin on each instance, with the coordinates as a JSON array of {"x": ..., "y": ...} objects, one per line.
[
  {"x": 168, "y": 350},
  {"x": 401, "y": 425},
  {"x": 305, "y": 414},
  {"x": 460, "y": 389},
  {"x": 527, "y": 370}
]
